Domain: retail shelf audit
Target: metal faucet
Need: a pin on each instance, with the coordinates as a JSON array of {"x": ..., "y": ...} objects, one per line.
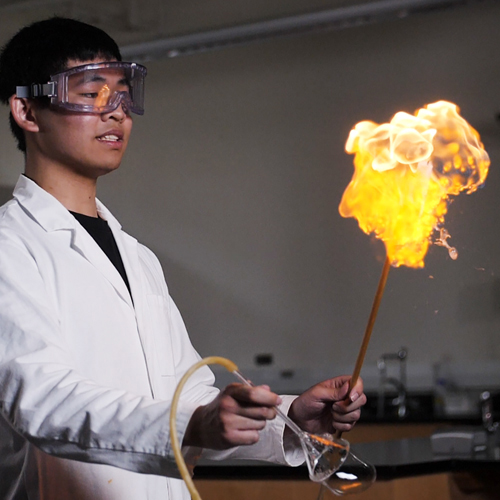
[
  {"x": 399, "y": 384},
  {"x": 487, "y": 412}
]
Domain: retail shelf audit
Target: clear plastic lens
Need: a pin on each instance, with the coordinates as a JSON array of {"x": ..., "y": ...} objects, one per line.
[{"x": 100, "y": 88}]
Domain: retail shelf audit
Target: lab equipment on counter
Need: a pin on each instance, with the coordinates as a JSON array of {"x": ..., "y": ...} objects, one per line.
[{"x": 398, "y": 383}]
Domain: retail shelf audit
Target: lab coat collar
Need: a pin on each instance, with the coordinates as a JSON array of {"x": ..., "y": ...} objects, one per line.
[
  {"x": 49, "y": 212},
  {"x": 53, "y": 216},
  {"x": 105, "y": 214}
]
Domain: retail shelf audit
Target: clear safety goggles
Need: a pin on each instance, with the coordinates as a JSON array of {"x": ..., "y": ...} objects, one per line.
[{"x": 93, "y": 88}]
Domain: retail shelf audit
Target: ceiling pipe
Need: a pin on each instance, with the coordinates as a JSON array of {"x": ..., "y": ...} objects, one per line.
[
  {"x": 22, "y": 5},
  {"x": 327, "y": 20}
]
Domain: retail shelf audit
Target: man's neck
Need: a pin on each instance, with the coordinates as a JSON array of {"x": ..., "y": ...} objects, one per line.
[{"x": 75, "y": 192}]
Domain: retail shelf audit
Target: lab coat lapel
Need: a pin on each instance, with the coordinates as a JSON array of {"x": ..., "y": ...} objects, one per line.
[
  {"x": 88, "y": 248},
  {"x": 53, "y": 216},
  {"x": 130, "y": 256},
  {"x": 128, "y": 247},
  {"x": 128, "y": 251}
]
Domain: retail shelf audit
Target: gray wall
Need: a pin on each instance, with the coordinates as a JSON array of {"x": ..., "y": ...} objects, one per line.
[{"x": 235, "y": 173}]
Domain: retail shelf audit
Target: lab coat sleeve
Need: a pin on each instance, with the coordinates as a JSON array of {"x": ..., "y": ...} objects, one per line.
[
  {"x": 271, "y": 446},
  {"x": 47, "y": 402}
]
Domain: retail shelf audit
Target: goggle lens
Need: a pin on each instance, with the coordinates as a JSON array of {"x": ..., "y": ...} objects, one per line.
[
  {"x": 102, "y": 89},
  {"x": 94, "y": 88}
]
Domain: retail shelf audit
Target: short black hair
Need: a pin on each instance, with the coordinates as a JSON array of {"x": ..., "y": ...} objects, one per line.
[{"x": 43, "y": 48}]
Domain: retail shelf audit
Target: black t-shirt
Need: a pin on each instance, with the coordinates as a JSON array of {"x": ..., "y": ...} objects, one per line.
[{"x": 101, "y": 232}]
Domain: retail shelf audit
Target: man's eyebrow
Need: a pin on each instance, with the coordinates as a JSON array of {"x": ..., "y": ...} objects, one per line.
[{"x": 96, "y": 77}]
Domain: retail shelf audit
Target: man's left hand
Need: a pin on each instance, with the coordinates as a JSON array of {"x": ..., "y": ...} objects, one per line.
[{"x": 329, "y": 406}]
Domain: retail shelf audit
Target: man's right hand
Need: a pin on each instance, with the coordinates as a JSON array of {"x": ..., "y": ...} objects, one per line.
[{"x": 233, "y": 418}]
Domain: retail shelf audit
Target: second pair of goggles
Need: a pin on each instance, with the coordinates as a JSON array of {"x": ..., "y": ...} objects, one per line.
[{"x": 93, "y": 88}]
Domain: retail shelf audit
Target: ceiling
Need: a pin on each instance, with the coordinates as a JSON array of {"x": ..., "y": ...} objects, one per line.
[{"x": 133, "y": 23}]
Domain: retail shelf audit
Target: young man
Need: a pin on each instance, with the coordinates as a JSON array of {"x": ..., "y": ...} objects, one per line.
[{"x": 91, "y": 344}]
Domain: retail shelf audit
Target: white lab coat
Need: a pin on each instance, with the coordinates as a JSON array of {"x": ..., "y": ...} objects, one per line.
[{"x": 87, "y": 372}]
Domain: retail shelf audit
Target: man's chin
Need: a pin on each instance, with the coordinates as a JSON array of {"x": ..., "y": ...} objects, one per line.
[
  {"x": 96, "y": 172},
  {"x": 108, "y": 168}
]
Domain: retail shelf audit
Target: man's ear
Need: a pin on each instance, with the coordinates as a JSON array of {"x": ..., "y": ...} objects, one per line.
[{"x": 24, "y": 113}]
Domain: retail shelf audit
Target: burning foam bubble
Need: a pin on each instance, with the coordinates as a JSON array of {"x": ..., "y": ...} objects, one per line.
[{"x": 404, "y": 173}]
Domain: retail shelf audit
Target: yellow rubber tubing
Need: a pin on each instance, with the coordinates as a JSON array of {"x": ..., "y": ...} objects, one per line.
[{"x": 176, "y": 447}]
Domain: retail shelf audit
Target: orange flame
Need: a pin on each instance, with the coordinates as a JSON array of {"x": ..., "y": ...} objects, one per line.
[
  {"x": 404, "y": 173},
  {"x": 103, "y": 96}
]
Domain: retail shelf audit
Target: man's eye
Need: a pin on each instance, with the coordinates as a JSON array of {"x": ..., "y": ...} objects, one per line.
[{"x": 90, "y": 95}]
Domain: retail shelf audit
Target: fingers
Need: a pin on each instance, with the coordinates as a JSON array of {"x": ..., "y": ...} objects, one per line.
[
  {"x": 233, "y": 418},
  {"x": 340, "y": 387},
  {"x": 337, "y": 389},
  {"x": 252, "y": 395},
  {"x": 339, "y": 425},
  {"x": 356, "y": 391},
  {"x": 346, "y": 413},
  {"x": 249, "y": 402},
  {"x": 212, "y": 426},
  {"x": 329, "y": 404},
  {"x": 348, "y": 409},
  {"x": 238, "y": 437},
  {"x": 244, "y": 411},
  {"x": 346, "y": 406}
]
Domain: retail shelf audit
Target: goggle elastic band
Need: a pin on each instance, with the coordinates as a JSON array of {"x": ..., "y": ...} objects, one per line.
[{"x": 37, "y": 90}]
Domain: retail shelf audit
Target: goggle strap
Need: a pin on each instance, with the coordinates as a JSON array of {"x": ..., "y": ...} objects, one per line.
[{"x": 37, "y": 90}]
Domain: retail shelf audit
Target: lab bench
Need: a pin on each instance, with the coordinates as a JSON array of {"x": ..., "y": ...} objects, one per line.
[{"x": 407, "y": 469}]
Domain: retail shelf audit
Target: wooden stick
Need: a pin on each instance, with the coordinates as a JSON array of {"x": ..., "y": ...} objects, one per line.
[{"x": 369, "y": 328}]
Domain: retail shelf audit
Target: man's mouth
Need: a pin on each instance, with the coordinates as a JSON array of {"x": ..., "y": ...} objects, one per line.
[{"x": 110, "y": 137}]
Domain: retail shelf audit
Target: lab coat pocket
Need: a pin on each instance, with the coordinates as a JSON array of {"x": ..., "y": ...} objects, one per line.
[{"x": 161, "y": 344}]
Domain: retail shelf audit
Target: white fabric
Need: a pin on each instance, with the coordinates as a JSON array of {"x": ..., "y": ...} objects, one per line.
[{"x": 86, "y": 372}]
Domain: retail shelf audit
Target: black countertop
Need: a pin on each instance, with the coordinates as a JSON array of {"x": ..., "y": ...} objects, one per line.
[
  {"x": 392, "y": 459},
  {"x": 413, "y": 457}
]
